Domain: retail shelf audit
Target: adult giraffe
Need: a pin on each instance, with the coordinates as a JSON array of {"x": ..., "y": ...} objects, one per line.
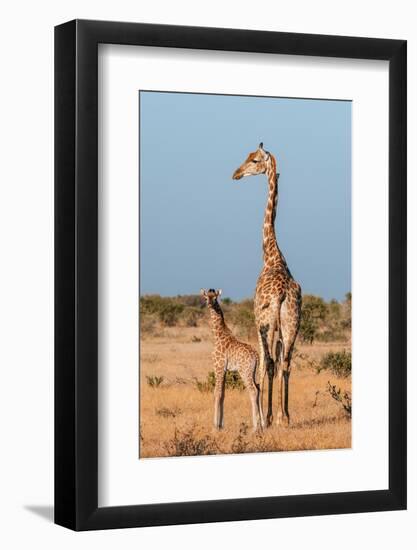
[{"x": 277, "y": 303}]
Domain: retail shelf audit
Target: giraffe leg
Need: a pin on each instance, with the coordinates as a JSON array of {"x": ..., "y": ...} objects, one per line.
[
  {"x": 281, "y": 416},
  {"x": 279, "y": 347},
  {"x": 286, "y": 393},
  {"x": 267, "y": 335},
  {"x": 290, "y": 322},
  {"x": 220, "y": 374},
  {"x": 261, "y": 378},
  {"x": 269, "y": 414},
  {"x": 253, "y": 390}
]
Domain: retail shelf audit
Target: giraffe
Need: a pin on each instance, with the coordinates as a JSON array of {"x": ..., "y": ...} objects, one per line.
[
  {"x": 230, "y": 354},
  {"x": 277, "y": 303}
]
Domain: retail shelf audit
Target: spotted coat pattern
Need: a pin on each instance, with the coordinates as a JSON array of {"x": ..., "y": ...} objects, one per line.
[
  {"x": 277, "y": 303},
  {"x": 230, "y": 354}
]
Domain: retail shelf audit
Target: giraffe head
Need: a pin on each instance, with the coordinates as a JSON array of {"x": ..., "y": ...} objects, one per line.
[
  {"x": 210, "y": 296},
  {"x": 256, "y": 163}
]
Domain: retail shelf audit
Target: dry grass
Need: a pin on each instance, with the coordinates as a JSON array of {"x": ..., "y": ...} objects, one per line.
[{"x": 176, "y": 418}]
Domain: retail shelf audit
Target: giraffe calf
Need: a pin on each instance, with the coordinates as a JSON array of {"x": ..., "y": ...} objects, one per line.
[{"x": 231, "y": 354}]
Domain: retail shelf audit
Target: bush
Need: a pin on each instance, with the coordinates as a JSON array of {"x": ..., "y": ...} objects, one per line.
[
  {"x": 170, "y": 310},
  {"x": 243, "y": 317},
  {"x": 240, "y": 443},
  {"x": 167, "y": 309},
  {"x": 320, "y": 320},
  {"x": 165, "y": 412},
  {"x": 247, "y": 442},
  {"x": 339, "y": 363},
  {"x": 191, "y": 315},
  {"x": 147, "y": 324},
  {"x": 345, "y": 398},
  {"x": 189, "y": 300},
  {"x": 313, "y": 313},
  {"x": 170, "y": 313},
  {"x": 233, "y": 382},
  {"x": 187, "y": 443},
  {"x": 347, "y": 310},
  {"x": 152, "y": 304},
  {"x": 325, "y": 321},
  {"x": 331, "y": 335},
  {"x": 154, "y": 381},
  {"x": 204, "y": 386}
]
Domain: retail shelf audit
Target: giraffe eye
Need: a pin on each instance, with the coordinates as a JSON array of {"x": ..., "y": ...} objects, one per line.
[{"x": 255, "y": 161}]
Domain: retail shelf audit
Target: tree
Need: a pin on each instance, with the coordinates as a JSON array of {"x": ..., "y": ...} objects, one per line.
[{"x": 313, "y": 313}]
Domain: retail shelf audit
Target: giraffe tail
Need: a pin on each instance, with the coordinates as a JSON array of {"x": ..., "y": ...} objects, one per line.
[
  {"x": 274, "y": 355},
  {"x": 254, "y": 372},
  {"x": 278, "y": 346},
  {"x": 270, "y": 363}
]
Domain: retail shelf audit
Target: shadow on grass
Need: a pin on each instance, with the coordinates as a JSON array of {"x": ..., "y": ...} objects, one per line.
[{"x": 314, "y": 422}]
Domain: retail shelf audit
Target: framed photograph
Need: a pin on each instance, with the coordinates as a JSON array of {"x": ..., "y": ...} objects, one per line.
[{"x": 230, "y": 253}]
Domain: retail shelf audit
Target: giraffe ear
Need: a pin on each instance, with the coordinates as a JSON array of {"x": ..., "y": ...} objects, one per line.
[
  {"x": 219, "y": 292},
  {"x": 264, "y": 153},
  {"x": 203, "y": 292}
]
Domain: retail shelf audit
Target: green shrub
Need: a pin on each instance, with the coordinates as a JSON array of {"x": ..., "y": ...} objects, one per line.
[
  {"x": 233, "y": 381},
  {"x": 152, "y": 304},
  {"x": 147, "y": 324},
  {"x": 347, "y": 311},
  {"x": 332, "y": 334},
  {"x": 308, "y": 330},
  {"x": 344, "y": 399},
  {"x": 240, "y": 443},
  {"x": 320, "y": 320},
  {"x": 189, "y": 300},
  {"x": 203, "y": 386},
  {"x": 169, "y": 314},
  {"x": 325, "y": 321},
  {"x": 171, "y": 310},
  {"x": 165, "y": 412},
  {"x": 338, "y": 362},
  {"x": 188, "y": 443},
  {"x": 313, "y": 313},
  {"x": 191, "y": 315},
  {"x": 243, "y": 317},
  {"x": 154, "y": 381}
]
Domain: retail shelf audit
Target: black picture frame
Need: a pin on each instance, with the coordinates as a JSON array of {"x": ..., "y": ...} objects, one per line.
[{"x": 76, "y": 274}]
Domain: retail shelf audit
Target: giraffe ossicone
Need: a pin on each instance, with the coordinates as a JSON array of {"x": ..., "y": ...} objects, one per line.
[{"x": 277, "y": 303}]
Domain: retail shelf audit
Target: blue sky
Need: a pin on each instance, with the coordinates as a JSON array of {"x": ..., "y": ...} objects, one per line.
[{"x": 199, "y": 228}]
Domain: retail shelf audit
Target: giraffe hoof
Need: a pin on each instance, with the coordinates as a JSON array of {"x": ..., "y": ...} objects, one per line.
[{"x": 283, "y": 421}]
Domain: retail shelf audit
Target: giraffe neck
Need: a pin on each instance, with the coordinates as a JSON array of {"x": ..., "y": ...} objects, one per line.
[
  {"x": 273, "y": 256},
  {"x": 218, "y": 325}
]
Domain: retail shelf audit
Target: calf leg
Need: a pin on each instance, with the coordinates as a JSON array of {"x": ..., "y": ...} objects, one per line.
[
  {"x": 253, "y": 390},
  {"x": 220, "y": 374}
]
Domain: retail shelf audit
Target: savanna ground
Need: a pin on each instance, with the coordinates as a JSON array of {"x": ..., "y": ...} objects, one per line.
[{"x": 176, "y": 381}]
